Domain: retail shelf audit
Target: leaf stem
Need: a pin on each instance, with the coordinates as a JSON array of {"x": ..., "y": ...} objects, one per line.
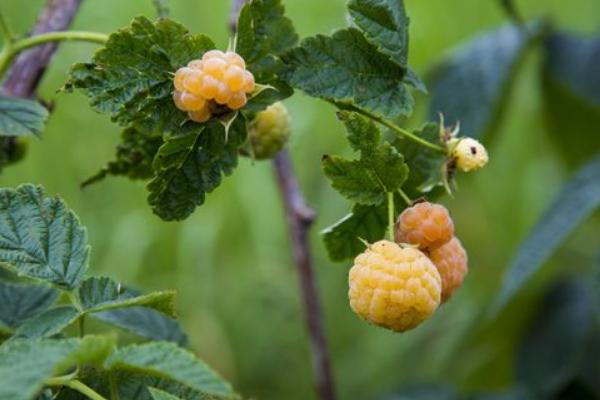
[
  {"x": 9, "y": 52},
  {"x": 390, "y": 197},
  {"x": 75, "y": 385}
]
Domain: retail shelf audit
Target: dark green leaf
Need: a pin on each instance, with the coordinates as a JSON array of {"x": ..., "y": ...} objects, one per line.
[
  {"x": 134, "y": 157},
  {"x": 424, "y": 392},
  {"x": 385, "y": 25},
  {"x": 190, "y": 166},
  {"x": 21, "y": 117},
  {"x": 25, "y": 364},
  {"x": 12, "y": 150},
  {"x": 41, "y": 238},
  {"x": 571, "y": 85},
  {"x": 379, "y": 171},
  {"x": 349, "y": 71},
  {"x": 427, "y": 167},
  {"x": 575, "y": 202},
  {"x": 48, "y": 323},
  {"x": 473, "y": 84},
  {"x": 166, "y": 360},
  {"x": 553, "y": 347},
  {"x": 103, "y": 294},
  {"x": 158, "y": 394},
  {"x": 19, "y": 302},
  {"x": 131, "y": 77}
]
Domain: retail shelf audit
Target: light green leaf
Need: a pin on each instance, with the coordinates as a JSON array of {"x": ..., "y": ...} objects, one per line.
[
  {"x": 134, "y": 157},
  {"x": 131, "y": 77},
  {"x": 41, "y": 238},
  {"x": 103, "y": 294},
  {"x": 166, "y": 360},
  {"x": 188, "y": 167},
  {"x": 19, "y": 302},
  {"x": 553, "y": 348},
  {"x": 49, "y": 323},
  {"x": 575, "y": 202},
  {"x": 472, "y": 85},
  {"x": 158, "y": 394},
  {"x": 385, "y": 25},
  {"x": 21, "y": 117},
  {"x": 380, "y": 169},
  {"x": 25, "y": 364},
  {"x": 350, "y": 72}
]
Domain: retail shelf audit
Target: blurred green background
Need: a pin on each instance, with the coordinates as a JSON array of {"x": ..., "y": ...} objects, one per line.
[{"x": 230, "y": 261}]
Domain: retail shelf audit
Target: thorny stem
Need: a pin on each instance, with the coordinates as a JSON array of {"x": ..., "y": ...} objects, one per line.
[
  {"x": 511, "y": 9},
  {"x": 75, "y": 385},
  {"x": 390, "y": 197}
]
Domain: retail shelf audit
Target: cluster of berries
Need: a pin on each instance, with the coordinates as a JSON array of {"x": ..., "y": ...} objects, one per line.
[
  {"x": 269, "y": 132},
  {"x": 398, "y": 285},
  {"x": 217, "y": 80}
]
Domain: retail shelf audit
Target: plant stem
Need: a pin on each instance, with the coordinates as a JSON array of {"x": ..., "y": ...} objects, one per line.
[
  {"x": 75, "y": 385},
  {"x": 10, "y": 52},
  {"x": 510, "y": 8},
  {"x": 6, "y": 32},
  {"x": 390, "y": 197},
  {"x": 162, "y": 10},
  {"x": 406, "y": 199},
  {"x": 81, "y": 326}
]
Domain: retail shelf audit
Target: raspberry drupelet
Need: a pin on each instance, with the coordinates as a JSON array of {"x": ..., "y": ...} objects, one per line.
[{"x": 426, "y": 225}]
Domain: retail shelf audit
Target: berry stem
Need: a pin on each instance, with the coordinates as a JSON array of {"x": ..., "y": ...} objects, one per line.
[
  {"x": 390, "y": 198},
  {"x": 406, "y": 199},
  {"x": 75, "y": 385}
]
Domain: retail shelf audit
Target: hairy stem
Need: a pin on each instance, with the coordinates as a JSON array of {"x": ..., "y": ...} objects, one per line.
[
  {"x": 300, "y": 217},
  {"x": 75, "y": 385}
]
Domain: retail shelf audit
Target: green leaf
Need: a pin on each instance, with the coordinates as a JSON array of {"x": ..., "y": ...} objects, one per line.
[
  {"x": 134, "y": 157},
  {"x": 572, "y": 94},
  {"x": 166, "y": 360},
  {"x": 554, "y": 346},
  {"x": 380, "y": 169},
  {"x": 103, "y": 294},
  {"x": 472, "y": 85},
  {"x": 21, "y": 117},
  {"x": 49, "y": 323},
  {"x": 385, "y": 25},
  {"x": 158, "y": 394},
  {"x": 427, "y": 167},
  {"x": 575, "y": 202},
  {"x": 19, "y": 302},
  {"x": 41, "y": 238},
  {"x": 190, "y": 166},
  {"x": 424, "y": 392},
  {"x": 25, "y": 364},
  {"x": 131, "y": 77},
  {"x": 349, "y": 71}
]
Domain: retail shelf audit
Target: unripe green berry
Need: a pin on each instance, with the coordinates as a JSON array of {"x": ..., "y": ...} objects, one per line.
[{"x": 269, "y": 131}]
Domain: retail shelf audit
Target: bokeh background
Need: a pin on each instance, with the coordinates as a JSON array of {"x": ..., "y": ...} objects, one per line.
[{"x": 231, "y": 263}]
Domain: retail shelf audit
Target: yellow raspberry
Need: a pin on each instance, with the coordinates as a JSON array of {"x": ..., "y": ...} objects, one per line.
[
  {"x": 201, "y": 115},
  {"x": 215, "y": 67},
  {"x": 249, "y": 83},
  {"x": 468, "y": 153},
  {"x": 213, "y": 54},
  {"x": 192, "y": 102},
  {"x": 426, "y": 225},
  {"x": 393, "y": 287},
  {"x": 234, "y": 78},
  {"x": 269, "y": 131},
  {"x": 196, "y": 64},
  {"x": 179, "y": 78},
  {"x": 235, "y": 59},
  {"x": 237, "y": 101},
  {"x": 178, "y": 101},
  {"x": 224, "y": 94},
  {"x": 193, "y": 81},
  {"x": 209, "y": 87},
  {"x": 451, "y": 262}
]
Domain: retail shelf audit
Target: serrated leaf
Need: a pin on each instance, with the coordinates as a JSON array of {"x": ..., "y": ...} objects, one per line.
[
  {"x": 472, "y": 85},
  {"x": 25, "y": 364},
  {"x": 41, "y": 238},
  {"x": 571, "y": 88},
  {"x": 19, "y": 302},
  {"x": 385, "y": 25},
  {"x": 103, "y": 294},
  {"x": 166, "y": 360},
  {"x": 576, "y": 201},
  {"x": 48, "y": 323},
  {"x": 553, "y": 347},
  {"x": 134, "y": 157},
  {"x": 21, "y": 117},
  {"x": 427, "y": 167},
  {"x": 348, "y": 70},
  {"x": 379, "y": 171},
  {"x": 130, "y": 77},
  {"x": 190, "y": 166}
]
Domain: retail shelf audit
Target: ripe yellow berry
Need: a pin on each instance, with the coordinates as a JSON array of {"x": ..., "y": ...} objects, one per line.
[
  {"x": 178, "y": 101},
  {"x": 393, "y": 287},
  {"x": 249, "y": 82},
  {"x": 425, "y": 224},
  {"x": 215, "y": 67},
  {"x": 235, "y": 59},
  {"x": 179, "y": 78},
  {"x": 196, "y": 64},
  {"x": 201, "y": 115},
  {"x": 237, "y": 101},
  {"x": 213, "y": 54},
  {"x": 224, "y": 94},
  {"x": 209, "y": 88},
  {"x": 191, "y": 102},
  {"x": 468, "y": 153},
  {"x": 269, "y": 131},
  {"x": 234, "y": 78},
  {"x": 451, "y": 262},
  {"x": 193, "y": 81}
]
